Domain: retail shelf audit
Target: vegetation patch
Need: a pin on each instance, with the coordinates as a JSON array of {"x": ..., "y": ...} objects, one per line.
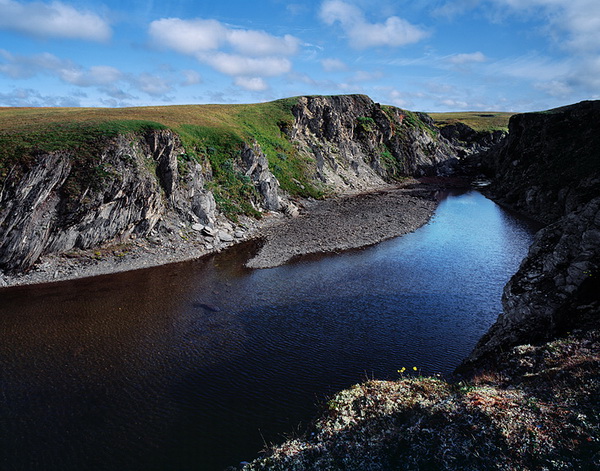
[
  {"x": 536, "y": 410},
  {"x": 21, "y": 146},
  {"x": 209, "y": 133},
  {"x": 478, "y": 121}
]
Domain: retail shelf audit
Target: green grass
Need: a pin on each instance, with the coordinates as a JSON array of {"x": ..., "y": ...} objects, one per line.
[
  {"x": 481, "y": 121},
  {"x": 214, "y": 133}
]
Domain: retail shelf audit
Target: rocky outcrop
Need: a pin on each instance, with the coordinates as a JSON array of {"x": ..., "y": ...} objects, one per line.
[
  {"x": 468, "y": 142},
  {"x": 549, "y": 168},
  {"x": 256, "y": 166},
  {"x": 134, "y": 182},
  {"x": 555, "y": 290},
  {"x": 357, "y": 143},
  {"x": 550, "y": 163},
  {"x": 127, "y": 185}
]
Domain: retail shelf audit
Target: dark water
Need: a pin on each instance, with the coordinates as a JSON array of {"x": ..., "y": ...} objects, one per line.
[{"x": 191, "y": 366}]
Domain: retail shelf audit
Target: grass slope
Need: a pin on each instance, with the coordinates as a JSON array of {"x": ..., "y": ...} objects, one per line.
[
  {"x": 214, "y": 133},
  {"x": 478, "y": 120}
]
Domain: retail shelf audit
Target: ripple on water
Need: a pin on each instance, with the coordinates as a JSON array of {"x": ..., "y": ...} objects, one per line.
[{"x": 191, "y": 366}]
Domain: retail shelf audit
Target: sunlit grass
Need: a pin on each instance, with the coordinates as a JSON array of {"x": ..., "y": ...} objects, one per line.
[{"x": 478, "y": 120}]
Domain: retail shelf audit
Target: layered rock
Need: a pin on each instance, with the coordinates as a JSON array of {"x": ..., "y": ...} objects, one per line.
[
  {"x": 126, "y": 190},
  {"x": 357, "y": 143},
  {"x": 257, "y": 168},
  {"x": 550, "y": 163},
  {"x": 123, "y": 186},
  {"x": 557, "y": 287}
]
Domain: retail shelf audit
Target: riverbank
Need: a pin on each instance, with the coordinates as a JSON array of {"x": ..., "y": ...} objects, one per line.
[
  {"x": 336, "y": 224},
  {"x": 536, "y": 409}
]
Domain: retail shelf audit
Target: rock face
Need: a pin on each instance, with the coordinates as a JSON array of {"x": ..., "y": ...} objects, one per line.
[
  {"x": 131, "y": 185},
  {"x": 357, "y": 143},
  {"x": 136, "y": 182},
  {"x": 550, "y": 163},
  {"x": 470, "y": 141},
  {"x": 549, "y": 168},
  {"x": 257, "y": 168}
]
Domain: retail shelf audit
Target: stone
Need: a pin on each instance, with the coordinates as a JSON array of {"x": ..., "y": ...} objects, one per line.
[
  {"x": 224, "y": 236},
  {"x": 198, "y": 227},
  {"x": 239, "y": 234},
  {"x": 209, "y": 231}
]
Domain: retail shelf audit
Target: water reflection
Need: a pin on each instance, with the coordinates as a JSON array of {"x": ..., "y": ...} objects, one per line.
[{"x": 189, "y": 366}]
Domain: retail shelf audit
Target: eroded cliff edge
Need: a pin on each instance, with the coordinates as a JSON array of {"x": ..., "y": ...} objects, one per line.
[{"x": 98, "y": 187}]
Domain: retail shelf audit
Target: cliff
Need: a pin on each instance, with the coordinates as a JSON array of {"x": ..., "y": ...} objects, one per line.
[
  {"x": 549, "y": 168},
  {"x": 82, "y": 179},
  {"x": 549, "y": 165}
]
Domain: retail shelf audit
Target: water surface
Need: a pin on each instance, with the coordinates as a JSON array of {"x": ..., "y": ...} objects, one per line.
[{"x": 191, "y": 366}]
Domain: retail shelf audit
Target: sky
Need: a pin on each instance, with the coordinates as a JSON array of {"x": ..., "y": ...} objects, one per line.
[{"x": 422, "y": 55}]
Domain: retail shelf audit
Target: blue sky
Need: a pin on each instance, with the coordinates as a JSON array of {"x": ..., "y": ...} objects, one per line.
[{"x": 427, "y": 55}]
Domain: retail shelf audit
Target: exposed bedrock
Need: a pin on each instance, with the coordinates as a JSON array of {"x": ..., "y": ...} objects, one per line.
[{"x": 549, "y": 168}]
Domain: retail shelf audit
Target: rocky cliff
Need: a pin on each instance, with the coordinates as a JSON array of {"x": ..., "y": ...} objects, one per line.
[
  {"x": 549, "y": 168},
  {"x": 357, "y": 143},
  {"x": 134, "y": 182},
  {"x": 528, "y": 395},
  {"x": 157, "y": 180},
  {"x": 549, "y": 164}
]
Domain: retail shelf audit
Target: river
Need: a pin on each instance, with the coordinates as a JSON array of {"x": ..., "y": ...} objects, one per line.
[{"x": 193, "y": 366}]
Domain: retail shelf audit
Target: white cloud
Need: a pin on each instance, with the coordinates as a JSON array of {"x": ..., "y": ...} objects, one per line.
[
  {"x": 468, "y": 58},
  {"x": 52, "y": 20},
  {"x": 29, "y": 97},
  {"x": 188, "y": 36},
  {"x": 361, "y": 34},
  {"x": 247, "y": 55},
  {"x": 254, "y": 84},
  {"x": 198, "y": 36},
  {"x": 259, "y": 43},
  {"x": 105, "y": 78},
  {"x": 236, "y": 65},
  {"x": 333, "y": 65},
  {"x": 94, "y": 76},
  {"x": 152, "y": 84}
]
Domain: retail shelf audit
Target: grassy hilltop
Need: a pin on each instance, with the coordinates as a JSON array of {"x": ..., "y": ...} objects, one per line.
[
  {"x": 480, "y": 121},
  {"x": 210, "y": 134}
]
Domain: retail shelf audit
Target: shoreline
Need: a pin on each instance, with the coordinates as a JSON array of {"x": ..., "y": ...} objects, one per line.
[{"x": 336, "y": 224}]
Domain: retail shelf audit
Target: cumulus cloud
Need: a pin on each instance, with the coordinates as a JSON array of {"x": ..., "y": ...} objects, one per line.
[
  {"x": 198, "y": 36},
  {"x": 21, "y": 67},
  {"x": 254, "y": 84},
  {"x": 52, "y": 20},
  {"x": 361, "y": 34},
  {"x": 107, "y": 79},
  {"x": 247, "y": 55},
  {"x": 237, "y": 65}
]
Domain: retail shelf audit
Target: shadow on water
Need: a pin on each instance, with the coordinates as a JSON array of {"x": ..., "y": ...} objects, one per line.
[{"x": 189, "y": 366}]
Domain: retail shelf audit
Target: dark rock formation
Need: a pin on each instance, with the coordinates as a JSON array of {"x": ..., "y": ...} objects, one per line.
[
  {"x": 557, "y": 287},
  {"x": 468, "y": 142},
  {"x": 550, "y": 163},
  {"x": 549, "y": 168}
]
